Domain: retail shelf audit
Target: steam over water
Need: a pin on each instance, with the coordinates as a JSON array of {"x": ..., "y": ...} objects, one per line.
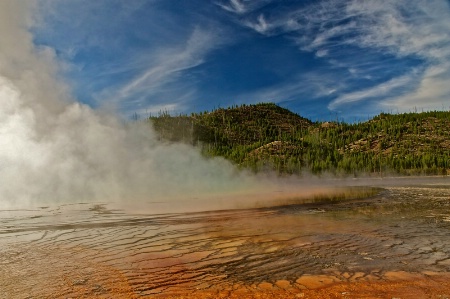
[{"x": 53, "y": 148}]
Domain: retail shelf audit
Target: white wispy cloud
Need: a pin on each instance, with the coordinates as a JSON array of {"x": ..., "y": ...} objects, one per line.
[
  {"x": 420, "y": 29},
  {"x": 129, "y": 64},
  {"x": 235, "y": 6},
  {"x": 379, "y": 90},
  {"x": 261, "y": 25},
  {"x": 162, "y": 75},
  {"x": 415, "y": 29},
  {"x": 302, "y": 88},
  {"x": 431, "y": 93},
  {"x": 404, "y": 27},
  {"x": 242, "y": 7}
]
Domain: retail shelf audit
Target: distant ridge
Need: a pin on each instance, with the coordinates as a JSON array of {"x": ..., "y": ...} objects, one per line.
[{"x": 265, "y": 136}]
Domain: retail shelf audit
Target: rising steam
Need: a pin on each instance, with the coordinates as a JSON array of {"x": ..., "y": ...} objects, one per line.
[{"x": 54, "y": 149}]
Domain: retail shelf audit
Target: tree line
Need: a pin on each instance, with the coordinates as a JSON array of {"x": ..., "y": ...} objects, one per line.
[{"x": 268, "y": 137}]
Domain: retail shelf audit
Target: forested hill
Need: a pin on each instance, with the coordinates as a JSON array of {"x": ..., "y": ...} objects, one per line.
[{"x": 266, "y": 136}]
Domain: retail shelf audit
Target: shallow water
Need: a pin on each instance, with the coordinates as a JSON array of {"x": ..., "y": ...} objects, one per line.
[{"x": 94, "y": 250}]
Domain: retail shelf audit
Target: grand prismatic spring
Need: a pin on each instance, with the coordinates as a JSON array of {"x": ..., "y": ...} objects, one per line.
[{"x": 390, "y": 243}]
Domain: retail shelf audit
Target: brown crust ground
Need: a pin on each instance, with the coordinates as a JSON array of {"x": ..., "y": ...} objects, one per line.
[{"x": 394, "y": 285}]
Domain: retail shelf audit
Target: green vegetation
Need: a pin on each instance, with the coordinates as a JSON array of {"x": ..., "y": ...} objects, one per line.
[{"x": 265, "y": 136}]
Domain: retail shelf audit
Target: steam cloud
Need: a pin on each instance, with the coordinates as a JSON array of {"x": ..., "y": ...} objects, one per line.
[{"x": 54, "y": 149}]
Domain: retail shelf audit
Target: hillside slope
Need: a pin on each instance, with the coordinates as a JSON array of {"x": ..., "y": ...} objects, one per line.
[{"x": 266, "y": 136}]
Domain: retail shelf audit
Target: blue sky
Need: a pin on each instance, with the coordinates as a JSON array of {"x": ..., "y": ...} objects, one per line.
[{"x": 320, "y": 59}]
